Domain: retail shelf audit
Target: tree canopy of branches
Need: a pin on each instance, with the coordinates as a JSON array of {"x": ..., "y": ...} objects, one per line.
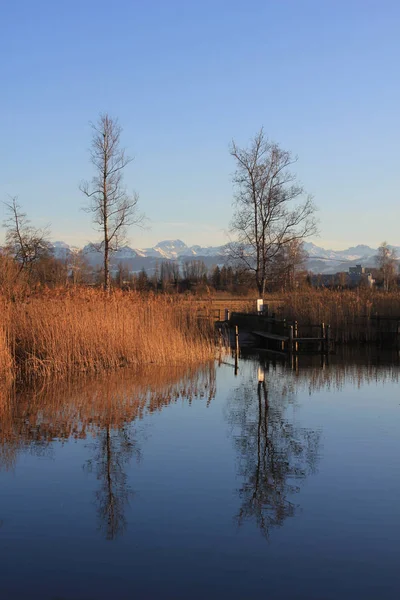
[
  {"x": 286, "y": 264},
  {"x": 26, "y": 244},
  {"x": 387, "y": 262},
  {"x": 266, "y": 216},
  {"x": 112, "y": 208}
]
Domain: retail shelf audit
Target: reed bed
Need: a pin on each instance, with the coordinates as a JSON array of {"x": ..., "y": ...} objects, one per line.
[
  {"x": 87, "y": 331},
  {"x": 6, "y": 360},
  {"x": 348, "y": 312}
]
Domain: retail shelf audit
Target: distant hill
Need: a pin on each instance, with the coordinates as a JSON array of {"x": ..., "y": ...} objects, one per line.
[{"x": 320, "y": 260}]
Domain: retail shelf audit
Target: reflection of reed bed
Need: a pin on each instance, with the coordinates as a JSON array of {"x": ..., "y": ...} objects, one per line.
[
  {"x": 52, "y": 334},
  {"x": 314, "y": 377},
  {"x": 75, "y": 409},
  {"x": 347, "y": 311},
  {"x": 337, "y": 376}
]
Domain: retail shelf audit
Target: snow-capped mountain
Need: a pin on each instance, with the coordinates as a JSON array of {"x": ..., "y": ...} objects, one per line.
[
  {"x": 175, "y": 249},
  {"x": 62, "y": 251},
  {"x": 353, "y": 253},
  {"x": 320, "y": 260}
]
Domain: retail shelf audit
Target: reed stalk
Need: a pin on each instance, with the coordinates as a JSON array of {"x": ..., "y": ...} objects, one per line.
[{"x": 87, "y": 331}]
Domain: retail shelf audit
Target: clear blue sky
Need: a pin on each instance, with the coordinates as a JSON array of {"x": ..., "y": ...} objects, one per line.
[{"x": 186, "y": 77}]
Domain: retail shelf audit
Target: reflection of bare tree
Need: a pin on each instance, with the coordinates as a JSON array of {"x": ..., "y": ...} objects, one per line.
[
  {"x": 104, "y": 410},
  {"x": 273, "y": 453},
  {"x": 113, "y": 449}
]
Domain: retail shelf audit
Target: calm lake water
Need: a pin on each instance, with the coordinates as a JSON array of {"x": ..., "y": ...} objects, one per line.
[{"x": 276, "y": 483}]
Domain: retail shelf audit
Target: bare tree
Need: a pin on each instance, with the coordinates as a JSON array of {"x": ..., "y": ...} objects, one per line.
[
  {"x": 287, "y": 263},
  {"x": 265, "y": 219},
  {"x": 78, "y": 267},
  {"x": 25, "y": 243},
  {"x": 169, "y": 274},
  {"x": 194, "y": 270},
  {"x": 113, "y": 209},
  {"x": 387, "y": 262}
]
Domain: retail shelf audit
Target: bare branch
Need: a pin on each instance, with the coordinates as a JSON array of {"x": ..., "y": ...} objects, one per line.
[
  {"x": 113, "y": 209},
  {"x": 23, "y": 241},
  {"x": 265, "y": 219}
]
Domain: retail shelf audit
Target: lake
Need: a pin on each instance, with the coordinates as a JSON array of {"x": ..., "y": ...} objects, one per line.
[{"x": 282, "y": 481}]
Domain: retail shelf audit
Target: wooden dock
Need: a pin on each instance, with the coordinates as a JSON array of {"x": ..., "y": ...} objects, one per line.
[
  {"x": 282, "y": 335},
  {"x": 290, "y": 337},
  {"x": 292, "y": 344}
]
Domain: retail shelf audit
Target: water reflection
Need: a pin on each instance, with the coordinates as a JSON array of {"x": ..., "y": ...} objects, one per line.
[
  {"x": 111, "y": 453},
  {"x": 274, "y": 454},
  {"x": 106, "y": 411}
]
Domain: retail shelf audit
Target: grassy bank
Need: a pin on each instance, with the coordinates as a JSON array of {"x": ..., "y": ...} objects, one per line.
[{"x": 59, "y": 334}]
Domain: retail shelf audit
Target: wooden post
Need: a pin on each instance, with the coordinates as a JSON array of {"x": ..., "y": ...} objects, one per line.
[
  {"x": 328, "y": 338},
  {"x": 220, "y": 345},
  {"x": 322, "y": 337},
  {"x": 227, "y": 314},
  {"x": 236, "y": 349},
  {"x": 296, "y": 335},
  {"x": 291, "y": 344},
  {"x": 220, "y": 337},
  {"x": 379, "y": 336}
]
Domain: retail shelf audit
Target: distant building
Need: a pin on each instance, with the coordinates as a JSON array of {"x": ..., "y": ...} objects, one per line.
[
  {"x": 360, "y": 275},
  {"x": 357, "y": 270},
  {"x": 356, "y": 276}
]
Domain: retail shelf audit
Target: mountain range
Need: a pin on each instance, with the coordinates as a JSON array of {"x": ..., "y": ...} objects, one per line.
[{"x": 320, "y": 260}]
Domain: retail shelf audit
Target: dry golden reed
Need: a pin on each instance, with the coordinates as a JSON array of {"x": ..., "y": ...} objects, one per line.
[
  {"x": 86, "y": 330},
  {"x": 348, "y": 312},
  {"x": 6, "y": 361}
]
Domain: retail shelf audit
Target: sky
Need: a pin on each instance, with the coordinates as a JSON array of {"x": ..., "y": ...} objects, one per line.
[{"x": 184, "y": 78}]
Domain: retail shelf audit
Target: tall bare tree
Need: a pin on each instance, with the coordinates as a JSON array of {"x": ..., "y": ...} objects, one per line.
[
  {"x": 113, "y": 209},
  {"x": 25, "y": 243},
  {"x": 387, "y": 262},
  {"x": 266, "y": 216}
]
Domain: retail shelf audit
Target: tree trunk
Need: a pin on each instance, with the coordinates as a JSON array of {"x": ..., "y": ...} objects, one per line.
[
  {"x": 261, "y": 289},
  {"x": 106, "y": 267},
  {"x": 105, "y": 225}
]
